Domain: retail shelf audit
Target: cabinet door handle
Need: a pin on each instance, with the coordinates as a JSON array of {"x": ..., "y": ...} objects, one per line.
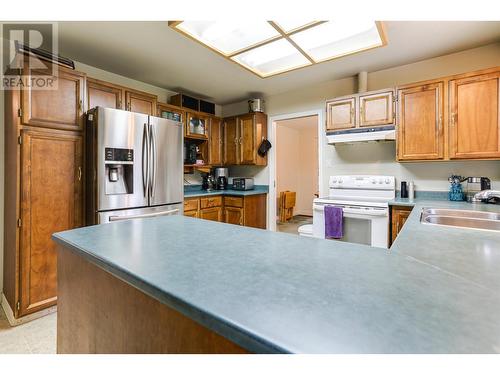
[
  {"x": 79, "y": 173},
  {"x": 80, "y": 105},
  {"x": 453, "y": 114}
]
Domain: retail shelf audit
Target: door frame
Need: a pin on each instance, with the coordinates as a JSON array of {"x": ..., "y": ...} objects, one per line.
[{"x": 271, "y": 213}]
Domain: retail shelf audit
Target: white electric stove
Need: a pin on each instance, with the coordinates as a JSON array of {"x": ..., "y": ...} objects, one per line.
[{"x": 364, "y": 200}]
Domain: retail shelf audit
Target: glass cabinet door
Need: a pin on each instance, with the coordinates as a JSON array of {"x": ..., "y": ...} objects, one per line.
[{"x": 197, "y": 126}]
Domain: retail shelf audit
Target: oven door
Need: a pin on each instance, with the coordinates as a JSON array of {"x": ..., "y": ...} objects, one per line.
[{"x": 363, "y": 225}]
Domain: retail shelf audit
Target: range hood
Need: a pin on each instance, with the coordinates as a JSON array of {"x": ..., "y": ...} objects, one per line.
[{"x": 378, "y": 134}]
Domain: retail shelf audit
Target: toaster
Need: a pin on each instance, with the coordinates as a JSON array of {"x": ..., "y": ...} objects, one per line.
[{"x": 242, "y": 183}]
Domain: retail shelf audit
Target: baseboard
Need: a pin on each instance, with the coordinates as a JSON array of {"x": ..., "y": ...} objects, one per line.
[
  {"x": 303, "y": 213},
  {"x": 25, "y": 319}
]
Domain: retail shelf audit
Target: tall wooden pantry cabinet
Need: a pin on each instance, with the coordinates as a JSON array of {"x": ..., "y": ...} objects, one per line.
[{"x": 43, "y": 186}]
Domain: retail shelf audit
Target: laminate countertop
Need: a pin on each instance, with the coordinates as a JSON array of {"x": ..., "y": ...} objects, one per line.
[
  {"x": 196, "y": 191},
  {"x": 437, "y": 290}
]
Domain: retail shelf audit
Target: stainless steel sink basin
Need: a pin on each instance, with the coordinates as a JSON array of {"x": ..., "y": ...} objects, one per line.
[
  {"x": 461, "y": 218},
  {"x": 461, "y": 213}
]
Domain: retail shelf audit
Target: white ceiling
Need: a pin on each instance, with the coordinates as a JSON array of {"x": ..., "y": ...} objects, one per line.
[{"x": 153, "y": 53}]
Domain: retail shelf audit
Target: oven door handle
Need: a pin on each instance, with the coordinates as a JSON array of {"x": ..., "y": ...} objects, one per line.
[{"x": 356, "y": 211}]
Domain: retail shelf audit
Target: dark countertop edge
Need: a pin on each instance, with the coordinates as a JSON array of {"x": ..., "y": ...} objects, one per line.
[{"x": 222, "y": 327}]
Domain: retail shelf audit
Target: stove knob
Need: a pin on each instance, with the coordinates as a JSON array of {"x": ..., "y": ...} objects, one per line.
[
  {"x": 387, "y": 181},
  {"x": 380, "y": 181},
  {"x": 374, "y": 182},
  {"x": 340, "y": 181}
]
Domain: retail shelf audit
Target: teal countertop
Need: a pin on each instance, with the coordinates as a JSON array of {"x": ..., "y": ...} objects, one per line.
[
  {"x": 436, "y": 291},
  {"x": 196, "y": 191}
]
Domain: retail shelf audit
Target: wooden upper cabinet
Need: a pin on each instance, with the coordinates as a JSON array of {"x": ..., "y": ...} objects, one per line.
[
  {"x": 216, "y": 141},
  {"x": 51, "y": 182},
  {"x": 197, "y": 125},
  {"x": 103, "y": 94},
  {"x": 474, "y": 116},
  {"x": 260, "y": 124},
  {"x": 243, "y": 135},
  {"x": 420, "y": 125},
  {"x": 141, "y": 102},
  {"x": 231, "y": 156},
  {"x": 376, "y": 109},
  {"x": 246, "y": 139},
  {"x": 60, "y": 108},
  {"x": 341, "y": 114},
  {"x": 170, "y": 112}
]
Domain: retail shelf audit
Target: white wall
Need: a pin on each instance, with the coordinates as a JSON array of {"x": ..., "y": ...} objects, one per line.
[
  {"x": 380, "y": 158},
  {"x": 297, "y": 161}
]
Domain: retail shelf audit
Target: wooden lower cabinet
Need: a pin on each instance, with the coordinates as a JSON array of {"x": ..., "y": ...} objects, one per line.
[
  {"x": 212, "y": 213},
  {"x": 195, "y": 214},
  {"x": 399, "y": 214},
  {"x": 233, "y": 215},
  {"x": 248, "y": 211},
  {"x": 51, "y": 183}
]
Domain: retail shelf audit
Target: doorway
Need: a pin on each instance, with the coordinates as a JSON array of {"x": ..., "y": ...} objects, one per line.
[{"x": 296, "y": 171}]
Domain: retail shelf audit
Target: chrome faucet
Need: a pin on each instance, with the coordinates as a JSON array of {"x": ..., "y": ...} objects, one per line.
[{"x": 486, "y": 195}]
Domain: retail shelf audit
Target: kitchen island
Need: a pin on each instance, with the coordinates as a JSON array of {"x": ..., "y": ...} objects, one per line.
[{"x": 177, "y": 284}]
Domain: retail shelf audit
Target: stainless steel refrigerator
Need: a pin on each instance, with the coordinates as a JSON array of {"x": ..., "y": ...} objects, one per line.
[{"x": 134, "y": 166}]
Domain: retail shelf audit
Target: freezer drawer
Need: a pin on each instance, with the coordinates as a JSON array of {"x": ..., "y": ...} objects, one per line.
[{"x": 140, "y": 213}]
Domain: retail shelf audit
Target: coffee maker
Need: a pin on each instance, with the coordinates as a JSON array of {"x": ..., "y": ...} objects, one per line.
[
  {"x": 475, "y": 185},
  {"x": 221, "y": 178}
]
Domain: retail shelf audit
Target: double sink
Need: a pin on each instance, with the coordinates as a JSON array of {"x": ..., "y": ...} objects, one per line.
[{"x": 461, "y": 218}]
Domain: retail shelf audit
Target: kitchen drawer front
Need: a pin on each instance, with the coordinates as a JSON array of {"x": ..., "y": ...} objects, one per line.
[
  {"x": 211, "y": 202},
  {"x": 233, "y": 201},
  {"x": 193, "y": 213},
  {"x": 191, "y": 204}
]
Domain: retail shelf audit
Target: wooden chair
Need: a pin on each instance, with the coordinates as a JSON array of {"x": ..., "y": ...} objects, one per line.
[{"x": 286, "y": 204}]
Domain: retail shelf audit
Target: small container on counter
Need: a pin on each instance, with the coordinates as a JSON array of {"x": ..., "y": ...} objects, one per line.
[
  {"x": 411, "y": 190},
  {"x": 456, "y": 193},
  {"x": 404, "y": 189}
]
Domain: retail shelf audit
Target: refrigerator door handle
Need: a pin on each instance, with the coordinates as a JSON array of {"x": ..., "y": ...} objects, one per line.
[
  {"x": 145, "y": 160},
  {"x": 154, "y": 160},
  {"x": 141, "y": 216}
]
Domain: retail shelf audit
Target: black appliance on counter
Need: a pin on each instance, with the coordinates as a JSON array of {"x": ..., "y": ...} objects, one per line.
[
  {"x": 221, "y": 178},
  {"x": 190, "y": 153}
]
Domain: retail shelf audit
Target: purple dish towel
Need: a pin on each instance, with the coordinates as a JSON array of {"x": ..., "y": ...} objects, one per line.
[{"x": 333, "y": 222}]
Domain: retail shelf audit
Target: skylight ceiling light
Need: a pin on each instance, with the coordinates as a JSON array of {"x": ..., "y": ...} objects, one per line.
[
  {"x": 334, "y": 39},
  {"x": 290, "y": 25},
  {"x": 229, "y": 37},
  {"x": 273, "y": 47},
  {"x": 272, "y": 58}
]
